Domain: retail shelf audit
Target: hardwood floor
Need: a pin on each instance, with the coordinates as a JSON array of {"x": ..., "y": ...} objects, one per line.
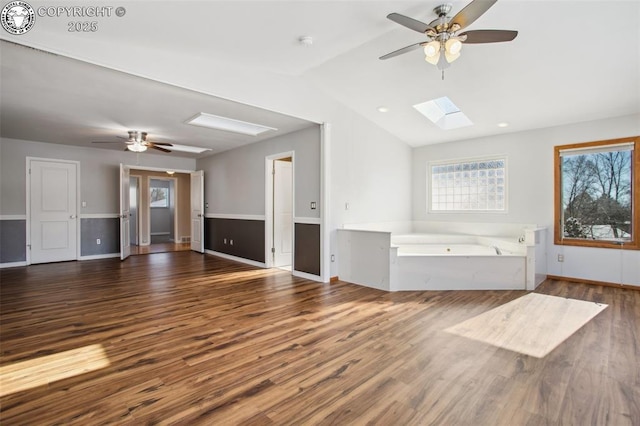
[
  {"x": 160, "y": 248},
  {"x": 195, "y": 339}
]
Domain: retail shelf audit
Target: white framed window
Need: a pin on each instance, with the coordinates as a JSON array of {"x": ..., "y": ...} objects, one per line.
[
  {"x": 471, "y": 185},
  {"x": 159, "y": 197}
]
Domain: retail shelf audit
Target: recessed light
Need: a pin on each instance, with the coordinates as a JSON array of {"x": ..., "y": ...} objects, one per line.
[
  {"x": 503, "y": 124},
  {"x": 217, "y": 122},
  {"x": 383, "y": 109}
]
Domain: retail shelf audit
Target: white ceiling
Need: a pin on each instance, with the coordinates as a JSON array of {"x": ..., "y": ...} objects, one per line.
[{"x": 572, "y": 61}]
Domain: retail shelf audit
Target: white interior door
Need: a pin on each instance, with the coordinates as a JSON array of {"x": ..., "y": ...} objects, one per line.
[
  {"x": 53, "y": 211},
  {"x": 197, "y": 211},
  {"x": 282, "y": 213},
  {"x": 125, "y": 212}
]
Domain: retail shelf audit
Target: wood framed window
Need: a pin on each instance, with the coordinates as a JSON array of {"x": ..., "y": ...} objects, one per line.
[{"x": 597, "y": 194}]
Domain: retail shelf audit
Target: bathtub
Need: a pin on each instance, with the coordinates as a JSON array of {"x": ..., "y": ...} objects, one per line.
[
  {"x": 448, "y": 250},
  {"x": 397, "y": 262}
]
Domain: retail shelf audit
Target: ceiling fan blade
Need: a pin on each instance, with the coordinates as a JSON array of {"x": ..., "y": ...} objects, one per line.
[
  {"x": 471, "y": 12},
  {"x": 106, "y": 142},
  {"x": 158, "y": 148},
  {"x": 410, "y": 23},
  {"x": 401, "y": 51},
  {"x": 161, "y": 143},
  {"x": 488, "y": 36}
]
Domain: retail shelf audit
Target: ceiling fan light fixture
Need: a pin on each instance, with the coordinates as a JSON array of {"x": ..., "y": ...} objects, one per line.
[
  {"x": 137, "y": 147},
  {"x": 453, "y": 46},
  {"x": 443, "y": 63},
  {"x": 450, "y": 56},
  {"x": 432, "y": 49},
  {"x": 433, "y": 60},
  {"x": 136, "y": 136}
]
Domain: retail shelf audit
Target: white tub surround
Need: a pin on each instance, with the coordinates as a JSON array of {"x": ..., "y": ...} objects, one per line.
[{"x": 437, "y": 261}]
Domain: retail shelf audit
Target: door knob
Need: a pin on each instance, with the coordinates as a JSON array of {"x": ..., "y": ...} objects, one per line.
[{"x": 73, "y": 216}]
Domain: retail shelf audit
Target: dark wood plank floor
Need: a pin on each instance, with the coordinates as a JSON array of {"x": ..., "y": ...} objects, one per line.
[
  {"x": 159, "y": 248},
  {"x": 195, "y": 339}
]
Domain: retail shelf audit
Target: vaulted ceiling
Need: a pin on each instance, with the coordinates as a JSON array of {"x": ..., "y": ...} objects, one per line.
[{"x": 572, "y": 61}]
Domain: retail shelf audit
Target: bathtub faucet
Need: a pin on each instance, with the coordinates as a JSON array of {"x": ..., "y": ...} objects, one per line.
[{"x": 497, "y": 249}]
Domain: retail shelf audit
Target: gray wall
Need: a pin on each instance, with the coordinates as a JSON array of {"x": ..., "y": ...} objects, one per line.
[
  {"x": 99, "y": 188},
  {"x": 235, "y": 185},
  {"x": 99, "y": 172},
  {"x": 105, "y": 229},
  {"x": 13, "y": 242},
  {"x": 162, "y": 217},
  {"x": 235, "y": 179},
  {"x": 236, "y": 237}
]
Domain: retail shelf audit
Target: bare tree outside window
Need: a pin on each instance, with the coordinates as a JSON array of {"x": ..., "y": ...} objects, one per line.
[
  {"x": 596, "y": 192},
  {"x": 159, "y": 197}
]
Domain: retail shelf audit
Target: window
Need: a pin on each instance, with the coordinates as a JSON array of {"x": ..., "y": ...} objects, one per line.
[
  {"x": 596, "y": 192},
  {"x": 159, "y": 197},
  {"x": 472, "y": 185}
]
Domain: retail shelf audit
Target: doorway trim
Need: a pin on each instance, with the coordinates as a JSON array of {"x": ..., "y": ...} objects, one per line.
[
  {"x": 28, "y": 203},
  {"x": 268, "y": 206},
  {"x": 176, "y": 201},
  {"x": 138, "y": 204}
]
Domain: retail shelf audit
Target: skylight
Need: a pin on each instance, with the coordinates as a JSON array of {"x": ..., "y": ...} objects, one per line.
[
  {"x": 444, "y": 113},
  {"x": 186, "y": 148},
  {"x": 228, "y": 124}
]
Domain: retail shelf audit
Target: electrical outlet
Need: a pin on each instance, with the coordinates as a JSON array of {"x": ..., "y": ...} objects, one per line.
[
  {"x": 346, "y": 206},
  {"x": 561, "y": 258},
  {"x": 224, "y": 241},
  {"x": 333, "y": 257},
  {"x": 231, "y": 242},
  {"x": 313, "y": 205},
  {"x": 98, "y": 241}
]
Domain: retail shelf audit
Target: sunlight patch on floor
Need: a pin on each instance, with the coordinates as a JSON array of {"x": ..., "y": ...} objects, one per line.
[
  {"x": 533, "y": 325},
  {"x": 32, "y": 373}
]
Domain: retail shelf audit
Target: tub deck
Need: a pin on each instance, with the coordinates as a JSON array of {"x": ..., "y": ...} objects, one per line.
[{"x": 397, "y": 262}]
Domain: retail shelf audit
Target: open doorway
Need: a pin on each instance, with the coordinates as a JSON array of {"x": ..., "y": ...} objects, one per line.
[
  {"x": 280, "y": 212},
  {"x": 162, "y": 211}
]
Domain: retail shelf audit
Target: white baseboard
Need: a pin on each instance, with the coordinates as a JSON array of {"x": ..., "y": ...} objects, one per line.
[
  {"x": 99, "y": 256},
  {"x": 307, "y": 276},
  {"x": 235, "y": 258},
  {"x": 13, "y": 264}
]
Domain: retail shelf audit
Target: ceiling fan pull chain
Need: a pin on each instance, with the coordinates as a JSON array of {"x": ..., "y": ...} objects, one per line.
[{"x": 442, "y": 75}]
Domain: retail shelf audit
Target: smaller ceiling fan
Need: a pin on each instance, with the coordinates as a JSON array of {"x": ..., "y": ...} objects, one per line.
[
  {"x": 137, "y": 142},
  {"x": 443, "y": 42}
]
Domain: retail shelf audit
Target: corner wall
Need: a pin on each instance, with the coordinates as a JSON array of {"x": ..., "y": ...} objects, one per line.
[
  {"x": 235, "y": 197},
  {"x": 531, "y": 192},
  {"x": 99, "y": 188}
]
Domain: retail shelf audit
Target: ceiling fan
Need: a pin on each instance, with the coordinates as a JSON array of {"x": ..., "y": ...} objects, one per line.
[
  {"x": 137, "y": 142},
  {"x": 444, "y": 42}
]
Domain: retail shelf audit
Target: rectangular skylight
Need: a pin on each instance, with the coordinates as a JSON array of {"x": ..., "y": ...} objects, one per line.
[
  {"x": 186, "y": 148},
  {"x": 228, "y": 124},
  {"x": 444, "y": 113}
]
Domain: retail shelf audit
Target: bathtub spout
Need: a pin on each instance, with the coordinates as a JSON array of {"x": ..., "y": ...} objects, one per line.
[{"x": 497, "y": 249}]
